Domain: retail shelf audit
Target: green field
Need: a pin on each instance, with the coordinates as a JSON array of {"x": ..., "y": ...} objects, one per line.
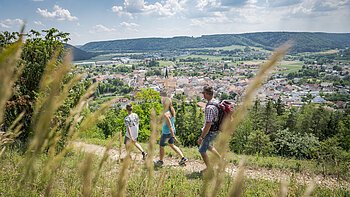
[
  {"x": 206, "y": 57},
  {"x": 289, "y": 66},
  {"x": 165, "y": 63},
  {"x": 228, "y": 48}
]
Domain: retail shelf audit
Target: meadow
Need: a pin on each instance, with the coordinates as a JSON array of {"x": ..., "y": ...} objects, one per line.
[{"x": 51, "y": 166}]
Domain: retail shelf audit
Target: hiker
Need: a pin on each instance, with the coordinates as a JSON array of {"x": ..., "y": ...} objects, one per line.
[
  {"x": 210, "y": 129},
  {"x": 131, "y": 122},
  {"x": 168, "y": 133}
]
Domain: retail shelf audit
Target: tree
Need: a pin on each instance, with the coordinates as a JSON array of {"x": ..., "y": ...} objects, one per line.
[
  {"x": 258, "y": 143},
  {"x": 256, "y": 115},
  {"x": 240, "y": 137},
  {"x": 292, "y": 119},
  {"x": 108, "y": 123},
  {"x": 224, "y": 96},
  {"x": 147, "y": 100},
  {"x": 344, "y": 133},
  {"x": 279, "y": 106},
  {"x": 269, "y": 118},
  {"x": 296, "y": 145},
  {"x": 147, "y": 95},
  {"x": 37, "y": 51}
]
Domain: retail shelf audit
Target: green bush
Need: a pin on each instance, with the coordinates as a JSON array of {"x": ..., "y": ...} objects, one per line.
[
  {"x": 258, "y": 143},
  {"x": 333, "y": 158},
  {"x": 93, "y": 132},
  {"x": 297, "y": 145},
  {"x": 240, "y": 137},
  {"x": 109, "y": 123}
]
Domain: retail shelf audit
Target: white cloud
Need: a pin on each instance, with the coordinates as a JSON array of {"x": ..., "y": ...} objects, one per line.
[
  {"x": 163, "y": 8},
  {"x": 134, "y": 6},
  {"x": 202, "y": 4},
  {"x": 129, "y": 26},
  {"x": 9, "y": 23},
  {"x": 101, "y": 28},
  {"x": 38, "y": 23},
  {"x": 58, "y": 13},
  {"x": 282, "y": 3},
  {"x": 215, "y": 18},
  {"x": 117, "y": 9},
  {"x": 126, "y": 24}
]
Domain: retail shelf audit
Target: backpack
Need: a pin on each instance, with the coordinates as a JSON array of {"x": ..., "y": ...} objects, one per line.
[{"x": 225, "y": 109}]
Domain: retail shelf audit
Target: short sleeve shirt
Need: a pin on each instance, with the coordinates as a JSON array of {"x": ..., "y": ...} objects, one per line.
[
  {"x": 211, "y": 112},
  {"x": 132, "y": 121}
]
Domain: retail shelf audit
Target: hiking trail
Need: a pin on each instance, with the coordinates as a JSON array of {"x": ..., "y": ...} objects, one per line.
[{"x": 192, "y": 166}]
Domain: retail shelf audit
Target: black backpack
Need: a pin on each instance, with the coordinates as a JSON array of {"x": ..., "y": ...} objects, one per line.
[{"x": 225, "y": 109}]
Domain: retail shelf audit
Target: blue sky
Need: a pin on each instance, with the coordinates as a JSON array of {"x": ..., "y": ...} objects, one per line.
[{"x": 95, "y": 20}]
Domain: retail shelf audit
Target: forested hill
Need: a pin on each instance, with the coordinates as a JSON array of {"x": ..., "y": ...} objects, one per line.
[
  {"x": 303, "y": 42},
  {"x": 79, "y": 54}
]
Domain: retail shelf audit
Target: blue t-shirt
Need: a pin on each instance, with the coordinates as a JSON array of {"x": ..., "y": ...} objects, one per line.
[{"x": 166, "y": 129}]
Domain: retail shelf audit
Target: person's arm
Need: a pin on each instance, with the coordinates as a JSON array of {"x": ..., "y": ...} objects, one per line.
[
  {"x": 204, "y": 132},
  {"x": 208, "y": 113},
  {"x": 129, "y": 132},
  {"x": 168, "y": 122}
]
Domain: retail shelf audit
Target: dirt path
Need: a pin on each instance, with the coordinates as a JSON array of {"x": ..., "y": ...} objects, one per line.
[{"x": 197, "y": 165}]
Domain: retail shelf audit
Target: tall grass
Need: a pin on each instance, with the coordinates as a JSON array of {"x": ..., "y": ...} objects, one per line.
[
  {"x": 214, "y": 175},
  {"x": 47, "y": 132},
  {"x": 9, "y": 72},
  {"x": 53, "y": 91}
]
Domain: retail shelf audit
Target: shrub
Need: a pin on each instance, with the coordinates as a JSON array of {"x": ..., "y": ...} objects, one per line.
[
  {"x": 333, "y": 158},
  {"x": 296, "y": 145},
  {"x": 240, "y": 137},
  {"x": 258, "y": 143},
  {"x": 93, "y": 132}
]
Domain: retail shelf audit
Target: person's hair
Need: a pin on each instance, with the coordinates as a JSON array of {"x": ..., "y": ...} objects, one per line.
[
  {"x": 129, "y": 107},
  {"x": 208, "y": 89},
  {"x": 168, "y": 104}
]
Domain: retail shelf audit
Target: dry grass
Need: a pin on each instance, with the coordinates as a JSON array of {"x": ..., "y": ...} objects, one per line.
[
  {"x": 53, "y": 93},
  {"x": 230, "y": 124},
  {"x": 47, "y": 132},
  {"x": 9, "y": 73}
]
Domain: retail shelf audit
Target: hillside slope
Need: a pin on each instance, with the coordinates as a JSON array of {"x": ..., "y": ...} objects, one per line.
[
  {"x": 303, "y": 42},
  {"x": 79, "y": 54}
]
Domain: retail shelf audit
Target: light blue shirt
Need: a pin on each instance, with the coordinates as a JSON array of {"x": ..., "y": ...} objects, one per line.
[{"x": 166, "y": 129}]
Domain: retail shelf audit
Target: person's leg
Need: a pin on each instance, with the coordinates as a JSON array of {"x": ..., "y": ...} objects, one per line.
[
  {"x": 203, "y": 149},
  {"x": 213, "y": 150},
  {"x": 162, "y": 144},
  {"x": 128, "y": 147},
  {"x": 176, "y": 149},
  {"x": 127, "y": 143},
  {"x": 205, "y": 158},
  {"x": 138, "y": 146},
  {"x": 161, "y": 153}
]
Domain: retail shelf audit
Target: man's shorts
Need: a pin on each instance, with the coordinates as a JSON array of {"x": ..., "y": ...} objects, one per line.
[
  {"x": 166, "y": 138},
  {"x": 126, "y": 139},
  {"x": 208, "y": 141}
]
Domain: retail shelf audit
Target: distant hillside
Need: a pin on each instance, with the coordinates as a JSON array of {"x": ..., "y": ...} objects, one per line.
[
  {"x": 303, "y": 42},
  {"x": 79, "y": 54}
]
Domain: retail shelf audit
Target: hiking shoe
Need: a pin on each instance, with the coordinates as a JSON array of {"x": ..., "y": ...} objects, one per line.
[
  {"x": 159, "y": 163},
  {"x": 144, "y": 155},
  {"x": 183, "y": 161}
]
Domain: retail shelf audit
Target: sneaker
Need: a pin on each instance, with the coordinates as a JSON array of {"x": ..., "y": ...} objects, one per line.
[
  {"x": 159, "y": 163},
  {"x": 183, "y": 161},
  {"x": 144, "y": 155}
]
